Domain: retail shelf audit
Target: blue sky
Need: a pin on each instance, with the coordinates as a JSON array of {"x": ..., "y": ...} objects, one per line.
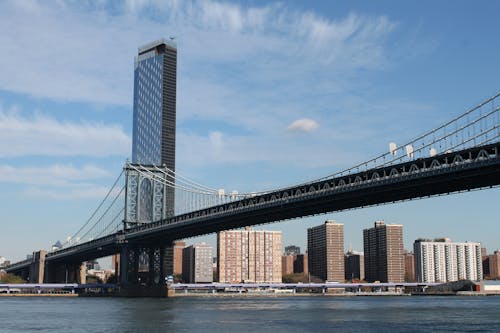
[{"x": 269, "y": 94}]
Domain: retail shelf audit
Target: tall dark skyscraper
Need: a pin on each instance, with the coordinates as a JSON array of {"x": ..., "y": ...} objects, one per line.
[
  {"x": 153, "y": 140},
  {"x": 325, "y": 249},
  {"x": 155, "y": 77}
]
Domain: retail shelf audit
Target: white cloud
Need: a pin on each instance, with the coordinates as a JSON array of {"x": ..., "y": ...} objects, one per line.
[
  {"x": 225, "y": 16},
  {"x": 54, "y": 50},
  {"x": 199, "y": 151},
  {"x": 89, "y": 192},
  {"x": 249, "y": 67},
  {"x": 303, "y": 125},
  {"x": 216, "y": 141},
  {"x": 43, "y": 135},
  {"x": 53, "y": 175},
  {"x": 85, "y": 52},
  {"x": 59, "y": 181}
]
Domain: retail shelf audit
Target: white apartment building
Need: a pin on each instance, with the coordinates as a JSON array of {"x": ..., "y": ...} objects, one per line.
[{"x": 443, "y": 261}]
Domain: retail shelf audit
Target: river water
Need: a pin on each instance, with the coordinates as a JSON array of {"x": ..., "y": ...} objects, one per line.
[{"x": 251, "y": 314}]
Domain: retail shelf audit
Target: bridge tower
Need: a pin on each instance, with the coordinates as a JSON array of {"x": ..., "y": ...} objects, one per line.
[
  {"x": 146, "y": 263},
  {"x": 146, "y": 200},
  {"x": 153, "y": 146}
]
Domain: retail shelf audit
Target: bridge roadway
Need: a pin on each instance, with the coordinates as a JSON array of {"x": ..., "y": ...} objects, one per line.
[{"x": 463, "y": 170}]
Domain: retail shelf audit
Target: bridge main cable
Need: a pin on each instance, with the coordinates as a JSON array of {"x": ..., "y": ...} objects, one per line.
[{"x": 99, "y": 206}]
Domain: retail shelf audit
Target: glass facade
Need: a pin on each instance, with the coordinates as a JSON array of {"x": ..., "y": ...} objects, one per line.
[
  {"x": 155, "y": 76},
  {"x": 154, "y": 116},
  {"x": 147, "y": 128}
]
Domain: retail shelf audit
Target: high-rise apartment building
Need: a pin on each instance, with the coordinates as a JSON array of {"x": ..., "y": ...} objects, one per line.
[
  {"x": 409, "y": 267},
  {"x": 197, "y": 264},
  {"x": 486, "y": 263},
  {"x": 443, "y": 261},
  {"x": 494, "y": 265},
  {"x": 354, "y": 266},
  {"x": 294, "y": 263},
  {"x": 325, "y": 249},
  {"x": 154, "y": 115},
  {"x": 486, "y": 267},
  {"x": 249, "y": 256},
  {"x": 287, "y": 264},
  {"x": 384, "y": 253},
  {"x": 178, "y": 248},
  {"x": 301, "y": 264}
]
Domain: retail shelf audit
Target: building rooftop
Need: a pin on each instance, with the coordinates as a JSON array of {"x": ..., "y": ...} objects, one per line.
[
  {"x": 150, "y": 46},
  {"x": 333, "y": 222}
]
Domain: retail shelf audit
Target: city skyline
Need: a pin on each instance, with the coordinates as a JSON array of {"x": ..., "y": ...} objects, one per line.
[{"x": 66, "y": 130}]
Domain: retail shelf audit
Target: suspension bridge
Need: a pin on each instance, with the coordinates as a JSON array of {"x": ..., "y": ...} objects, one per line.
[{"x": 134, "y": 218}]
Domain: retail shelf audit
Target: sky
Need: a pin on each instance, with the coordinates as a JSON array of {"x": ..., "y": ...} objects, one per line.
[{"x": 268, "y": 94}]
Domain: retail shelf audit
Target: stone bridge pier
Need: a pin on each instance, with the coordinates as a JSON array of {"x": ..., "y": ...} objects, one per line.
[
  {"x": 40, "y": 270},
  {"x": 37, "y": 267}
]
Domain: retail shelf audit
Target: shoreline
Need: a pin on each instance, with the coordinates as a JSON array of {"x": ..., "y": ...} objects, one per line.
[
  {"x": 38, "y": 295},
  {"x": 260, "y": 295}
]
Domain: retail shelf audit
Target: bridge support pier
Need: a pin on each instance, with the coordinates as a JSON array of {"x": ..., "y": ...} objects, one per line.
[
  {"x": 37, "y": 267},
  {"x": 145, "y": 278},
  {"x": 65, "y": 273}
]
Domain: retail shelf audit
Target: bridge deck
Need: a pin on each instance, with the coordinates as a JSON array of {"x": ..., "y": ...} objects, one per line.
[{"x": 468, "y": 169}]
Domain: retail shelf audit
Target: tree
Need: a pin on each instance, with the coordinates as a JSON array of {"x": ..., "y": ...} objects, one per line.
[
  {"x": 295, "y": 278},
  {"x": 10, "y": 278}
]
